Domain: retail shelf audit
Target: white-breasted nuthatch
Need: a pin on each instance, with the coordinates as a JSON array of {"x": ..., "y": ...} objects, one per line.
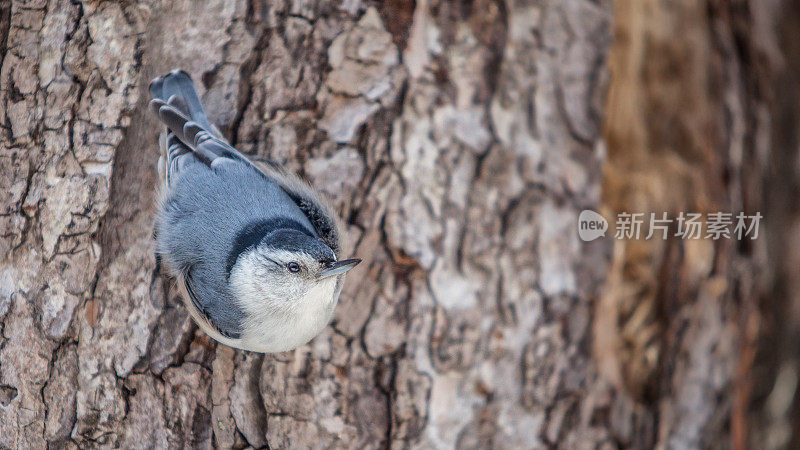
[{"x": 256, "y": 250}]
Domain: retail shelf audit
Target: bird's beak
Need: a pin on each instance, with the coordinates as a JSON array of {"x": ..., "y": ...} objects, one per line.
[{"x": 337, "y": 268}]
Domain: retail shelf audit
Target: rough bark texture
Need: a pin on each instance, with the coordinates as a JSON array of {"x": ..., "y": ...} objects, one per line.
[{"x": 459, "y": 140}]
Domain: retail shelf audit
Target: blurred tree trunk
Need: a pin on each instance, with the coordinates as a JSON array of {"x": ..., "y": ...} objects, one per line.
[
  {"x": 460, "y": 140},
  {"x": 775, "y": 403},
  {"x": 695, "y": 122}
]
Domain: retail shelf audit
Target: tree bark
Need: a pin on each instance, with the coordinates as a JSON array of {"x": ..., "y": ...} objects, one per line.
[{"x": 460, "y": 141}]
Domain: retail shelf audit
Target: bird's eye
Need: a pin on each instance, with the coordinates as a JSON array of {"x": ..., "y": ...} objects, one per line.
[{"x": 293, "y": 267}]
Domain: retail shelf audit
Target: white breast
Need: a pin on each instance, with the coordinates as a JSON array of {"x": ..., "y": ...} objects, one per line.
[{"x": 267, "y": 330}]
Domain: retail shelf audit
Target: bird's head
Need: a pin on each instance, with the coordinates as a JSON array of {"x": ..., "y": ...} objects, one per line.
[{"x": 290, "y": 277}]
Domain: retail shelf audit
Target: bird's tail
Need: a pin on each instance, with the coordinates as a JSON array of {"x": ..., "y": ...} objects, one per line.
[
  {"x": 189, "y": 136},
  {"x": 178, "y": 86}
]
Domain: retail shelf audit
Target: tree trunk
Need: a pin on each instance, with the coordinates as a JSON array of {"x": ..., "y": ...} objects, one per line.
[{"x": 460, "y": 141}]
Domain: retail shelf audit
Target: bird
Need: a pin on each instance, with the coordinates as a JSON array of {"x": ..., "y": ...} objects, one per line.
[{"x": 255, "y": 250}]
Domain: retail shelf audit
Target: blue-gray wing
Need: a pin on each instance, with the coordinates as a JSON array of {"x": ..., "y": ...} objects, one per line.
[{"x": 231, "y": 332}]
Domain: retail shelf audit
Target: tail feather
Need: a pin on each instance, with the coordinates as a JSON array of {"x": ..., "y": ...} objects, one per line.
[
  {"x": 178, "y": 83},
  {"x": 189, "y": 134},
  {"x": 207, "y": 146}
]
